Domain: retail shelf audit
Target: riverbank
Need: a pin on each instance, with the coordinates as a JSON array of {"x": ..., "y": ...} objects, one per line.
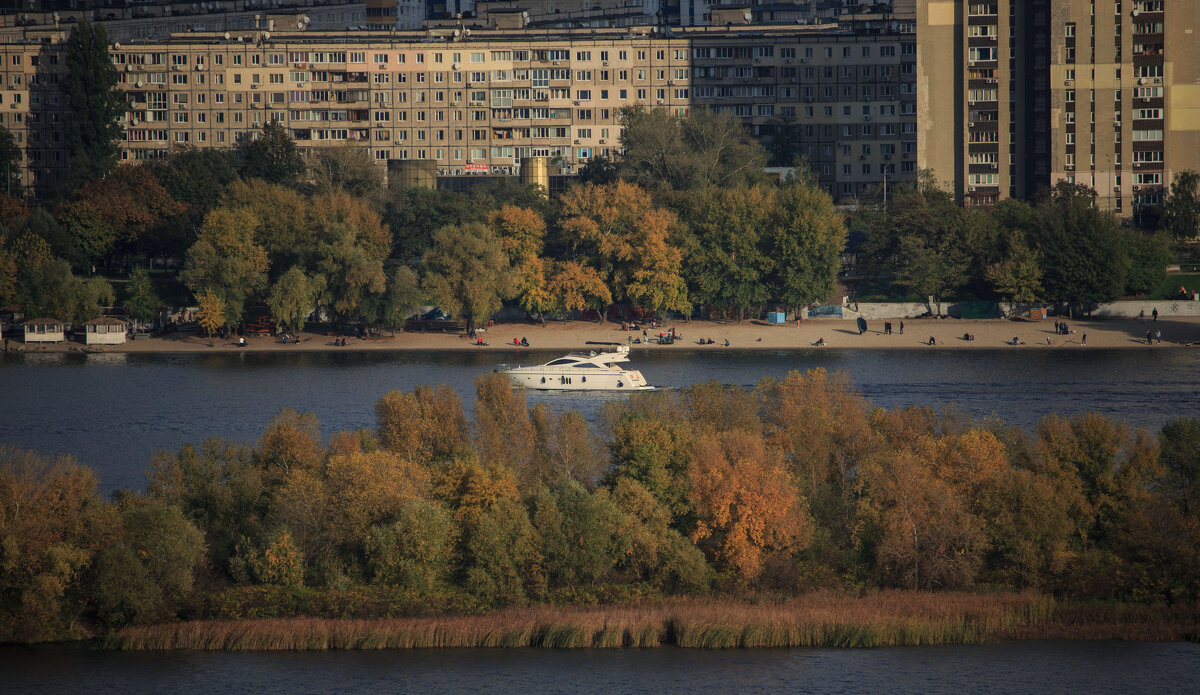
[
  {"x": 946, "y": 334},
  {"x": 886, "y": 618}
]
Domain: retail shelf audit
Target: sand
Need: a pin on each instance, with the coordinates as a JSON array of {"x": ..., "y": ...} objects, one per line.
[{"x": 838, "y": 334}]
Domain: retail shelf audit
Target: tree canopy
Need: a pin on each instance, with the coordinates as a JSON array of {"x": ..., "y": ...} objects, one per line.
[{"x": 95, "y": 106}]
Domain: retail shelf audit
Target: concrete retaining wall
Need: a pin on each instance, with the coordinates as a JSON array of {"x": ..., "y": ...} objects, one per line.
[{"x": 1131, "y": 310}]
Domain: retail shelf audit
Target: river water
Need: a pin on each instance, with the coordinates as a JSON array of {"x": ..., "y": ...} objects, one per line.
[
  {"x": 114, "y": 410},
  {"x": 1095, "y": 668}
]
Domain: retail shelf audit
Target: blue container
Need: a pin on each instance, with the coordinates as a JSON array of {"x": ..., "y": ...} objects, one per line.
[{"x": 775, "y": 317}]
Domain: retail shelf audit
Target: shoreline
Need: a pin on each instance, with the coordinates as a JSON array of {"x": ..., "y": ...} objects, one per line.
[{"x": 948, "y": 334}]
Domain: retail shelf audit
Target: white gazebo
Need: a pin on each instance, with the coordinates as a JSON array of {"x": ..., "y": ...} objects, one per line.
[
  {"x": 105, "y": 330},
  {"x": 44, "y": 331}
]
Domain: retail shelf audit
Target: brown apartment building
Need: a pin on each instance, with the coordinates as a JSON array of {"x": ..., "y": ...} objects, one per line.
[
  {"x": 484, "y": 100},
  {"x": 1015, "y": 95}
]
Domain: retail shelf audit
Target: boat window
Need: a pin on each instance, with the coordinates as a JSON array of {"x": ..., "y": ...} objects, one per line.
[
  {"x": 564, "y": 360},
  {"x": 588, "y": 365}
]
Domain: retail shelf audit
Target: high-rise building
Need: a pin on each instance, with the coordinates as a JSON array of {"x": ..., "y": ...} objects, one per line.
[
  {"x": 1104, "y": 93},
  {"x": 841, "y": 96}
]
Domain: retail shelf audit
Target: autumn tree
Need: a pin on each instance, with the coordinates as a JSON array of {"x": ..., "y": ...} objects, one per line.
[
  {"x": 95, "y": 106},
  {"x": 564, "y": 448},
  {"x": 628, "y": 242},
  {"x": 578, "y": 286},
  {"x": 210, "y": 312},
  {"x": 293, "y": 297},
  {"x": 467, "y": 272},
  {"x": 226, "y": 261},
  {"x": 503, "y": 433},
  {"x": 347, "y": 168},
  {"x": 426, "y": 425},
  {"x": 746, "y": 504},
  {"x": 522, "y": 233},
  {"x": 414, "y": 552}
]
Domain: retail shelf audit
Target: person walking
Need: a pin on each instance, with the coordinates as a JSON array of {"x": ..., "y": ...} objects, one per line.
[
  {"x": 1155, "y": 313},
  {"x": 1149, "y": 337},
  {"x": 1083, "y": 339},
  {"x": 901, "y": 328},
  {"x": 1158, "y": 336}
]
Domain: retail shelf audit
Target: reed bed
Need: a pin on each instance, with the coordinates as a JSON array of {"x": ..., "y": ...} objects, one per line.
[{"x": 887, "y": 618}]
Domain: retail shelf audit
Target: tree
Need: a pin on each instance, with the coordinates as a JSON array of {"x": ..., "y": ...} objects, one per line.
[
  {"x": 47, "y": 288},
  {"x": 142, "y": 302},
  {"x": 522, "y": 232},
  {"x": 698, "y": 151},
  {"x": 196, "y": 177},
  {"x": 1017, "y": 276},
  {"x": 226, "y": 261},
  {"x": 414, "y": 552},
  {"x": 94, "y": 105},
  {"x": 113, "y": 214},
  {"x": 577, "y": 287},
  {"x": 10, "y": 165},
  {"x": 92, "y": 297},
  {"x": 467, "y": 271},
  {"x": 805, "y": 241},
  {"x": 1149, "y": 255},
  {"x": 272, "y": 156},
  {"x": 628, "y": 242},
  {"x": 1180, "y": 446},
  {"x": 293, "y": 297},
  {"x": 347, "y": 168},
  {"x": 503, "y": 433},
  {"x": 1082, "y": 248},
  {"x": 210, "y": 313},
  {"x": 1181, "y": 209},
  {"x": 746, "y": 503},
  {"x": 401, "y": 296}
]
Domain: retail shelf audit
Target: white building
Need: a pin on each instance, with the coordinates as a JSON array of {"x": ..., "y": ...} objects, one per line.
[
  {"x": 44, "y": 331},
  {"x": 105, "y": 330}
]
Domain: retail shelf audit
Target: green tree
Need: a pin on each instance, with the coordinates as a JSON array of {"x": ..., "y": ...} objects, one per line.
[
  {"x": 805, "y": 242},
  {"x": 94, "y": 104},
  {"x": 1179, "y": 443},
  {"x": 142, "y": 302},
  {"x": 1181, "y": 209},
  {"x": 10, "y": 164},
  {"x": 48, "y": 288},
  {"x": 1082, "y": 248},
  {"x": 582, "y": 534},
  {"x": 293, "y": 297},
  {"x": 92, "y": 297},
  {"x": 1018, "y": 275},
  {"x": 698, "y": 151},
  {"x": 272, "y": 156},
  {"x": 196, "y": 177},
  {"x": 467, "y": 271},
  {"x": 400, "y": 298},
  {"x": 1149, "y": 255},
  {"x": 414, "y": 552},
  {"x": 729, "y": 268},
  {"x": 148, "y": 574}
]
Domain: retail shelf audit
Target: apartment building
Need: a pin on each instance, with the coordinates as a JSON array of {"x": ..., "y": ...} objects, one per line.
[
  {"x": 1105, "y": 93},
  {"x": 483, "y": 101}
]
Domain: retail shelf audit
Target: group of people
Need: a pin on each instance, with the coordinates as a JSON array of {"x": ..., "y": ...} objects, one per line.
[
  {"x": 887, "y": 328},
  {"x": 521, "y": 343},
  {"x": 1060, "y": 327},
  {"x": 340, "y": 341},
  {"x": 1152, "y": 336}
]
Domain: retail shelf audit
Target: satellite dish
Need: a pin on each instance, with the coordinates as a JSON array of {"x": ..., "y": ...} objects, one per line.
[
  {"x": 746, "y": 16},
  {"x": 266, "y": 36},
  {"x": 299, "y": 25},
  {"x": 226, "y": 36},
  {"x": 117, "y": 45}
]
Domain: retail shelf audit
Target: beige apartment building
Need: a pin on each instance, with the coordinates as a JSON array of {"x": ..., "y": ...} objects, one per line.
[
  {"x": 1105, "y": 93},
  {"x": 486, "y": 100}
]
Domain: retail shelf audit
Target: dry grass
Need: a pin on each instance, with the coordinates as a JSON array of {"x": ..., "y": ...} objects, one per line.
[{"x": 885, "y": 618}]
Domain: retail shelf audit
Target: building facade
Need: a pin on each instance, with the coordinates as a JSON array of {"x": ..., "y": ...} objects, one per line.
[
  {"x": 844, "y": 98},
  {"x": 1104, "y": 93}
]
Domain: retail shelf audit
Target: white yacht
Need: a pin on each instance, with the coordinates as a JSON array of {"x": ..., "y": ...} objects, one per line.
[{"x": 581, "y": 371}]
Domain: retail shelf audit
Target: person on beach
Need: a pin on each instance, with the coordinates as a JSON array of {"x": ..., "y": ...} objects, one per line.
[
  {"x": 1155, "y": 313},
  {"x": 727, "y": 342},
  {"x": 524, "y": 343},
  {"x": 1083, "y": 339},
  {"x": 820, "y": 342},
  {"x": 1149, "y": 337},
  {"x": 1048, "y": 340},
  {"x": 1158, "y": 336},
  {"x": 932, "y": 341},
  {"x": 901, "y": 328}
]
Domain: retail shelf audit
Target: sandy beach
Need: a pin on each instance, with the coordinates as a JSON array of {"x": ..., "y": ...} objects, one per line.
[{"x": 948, "y": 334}]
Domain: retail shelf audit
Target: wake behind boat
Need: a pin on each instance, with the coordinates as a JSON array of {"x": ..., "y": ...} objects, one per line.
[{"x": 581, "y": 371}]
